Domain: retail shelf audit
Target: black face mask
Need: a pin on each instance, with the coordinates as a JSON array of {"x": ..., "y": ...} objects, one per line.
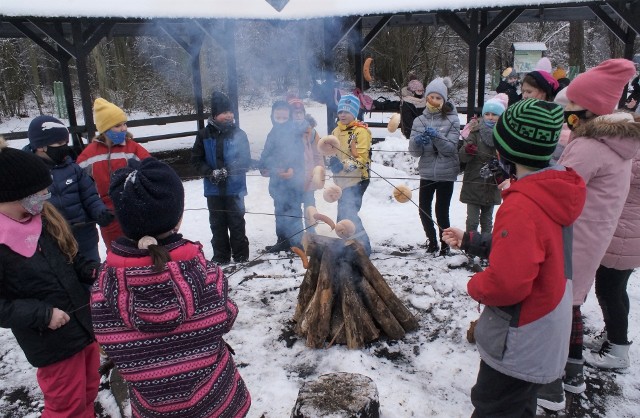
[
  {"x": 58, "y": 154},
  {"x": 573, "y": 117}
]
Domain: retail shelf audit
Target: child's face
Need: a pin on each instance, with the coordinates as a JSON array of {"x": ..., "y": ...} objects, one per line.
[
  {"x": 281, "y": 115},
  {"x": 435, "y": 100},
  {"x": 491, "y": 117},
  {"x": 298, "y": 114},
  {"x": 345, "y": 117},
  {"x": 530, "y": 92},
  {"x": 224, "y": 117},
  {"x": 121, "y": 127}
]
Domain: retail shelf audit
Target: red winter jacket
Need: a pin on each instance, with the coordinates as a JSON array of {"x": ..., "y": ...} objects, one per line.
[
  {"x": 101, "y": 160},
  {"x": 524, "y": 328}
]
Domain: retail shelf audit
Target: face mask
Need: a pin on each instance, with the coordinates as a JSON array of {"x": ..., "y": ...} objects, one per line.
[
  {"x": 301, "y": 125},
  {"x": 572, "y": 117},
  {"x": 116, "y": 137},
  {"x": 34, "y": 203},
  {"x": 418, "y": 96},
  {"x": 490, "y": 123},
  {"x": 58, "y": 154}
]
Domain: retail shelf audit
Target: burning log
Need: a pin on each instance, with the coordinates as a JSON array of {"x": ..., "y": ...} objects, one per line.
[{"x": 344, "y": 299}]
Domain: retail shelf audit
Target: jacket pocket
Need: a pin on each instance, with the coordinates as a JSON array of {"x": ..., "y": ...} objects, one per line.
[{"x": 492, "y": 330}]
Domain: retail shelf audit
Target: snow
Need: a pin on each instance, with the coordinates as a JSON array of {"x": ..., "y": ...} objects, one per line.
[
  {"x": 427, "y": 374},
  {"x": 244, "y": 9}
]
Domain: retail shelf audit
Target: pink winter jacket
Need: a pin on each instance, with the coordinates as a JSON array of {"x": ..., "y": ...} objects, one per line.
[
  {"x": 624, "y": 250},
  {"x": 601, "y": 153}
]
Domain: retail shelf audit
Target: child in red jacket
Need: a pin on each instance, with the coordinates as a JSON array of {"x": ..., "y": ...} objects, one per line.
[
  {"x": 110, "y": 150},
  {"x": 523, "y": 330}
]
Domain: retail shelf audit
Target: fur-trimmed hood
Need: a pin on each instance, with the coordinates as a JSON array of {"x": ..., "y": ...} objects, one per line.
[{"x": 619, "y": 131}]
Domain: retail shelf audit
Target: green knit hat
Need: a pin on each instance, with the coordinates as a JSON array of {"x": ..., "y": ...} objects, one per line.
[{"x": 527, "y": 132}]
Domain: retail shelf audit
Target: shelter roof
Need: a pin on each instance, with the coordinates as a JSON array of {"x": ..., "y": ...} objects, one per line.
[{"x": 246, "y": 9}]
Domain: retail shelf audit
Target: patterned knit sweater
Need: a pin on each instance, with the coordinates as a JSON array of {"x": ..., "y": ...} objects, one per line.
[{"x": 164, "y": 331}]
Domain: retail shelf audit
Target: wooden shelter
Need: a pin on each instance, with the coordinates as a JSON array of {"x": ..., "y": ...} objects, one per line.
[{"x": 72, "y": 33}]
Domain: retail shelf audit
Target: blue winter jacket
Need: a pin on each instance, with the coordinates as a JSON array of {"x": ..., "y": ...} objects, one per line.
[
  {"x": 73, "y": 193},
  {"x": 236, "y": 157},
  {"x": 283, "y": 150}
]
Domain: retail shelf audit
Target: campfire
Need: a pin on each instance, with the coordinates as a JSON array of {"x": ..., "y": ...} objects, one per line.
[{"x": 344, "y": 299}]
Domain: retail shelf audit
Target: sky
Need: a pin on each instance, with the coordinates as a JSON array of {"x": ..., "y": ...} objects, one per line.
[
  {"x": 429, "y": 373},
  {"x": 242, "y": 9}
]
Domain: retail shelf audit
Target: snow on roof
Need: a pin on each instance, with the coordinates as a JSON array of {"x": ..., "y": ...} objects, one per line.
[
  {"x": 243, "y": 9},
  {"x": 529, "y": 46}
]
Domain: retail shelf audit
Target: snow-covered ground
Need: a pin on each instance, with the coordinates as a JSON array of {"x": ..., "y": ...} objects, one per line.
[{"x": 428, "y": 374}]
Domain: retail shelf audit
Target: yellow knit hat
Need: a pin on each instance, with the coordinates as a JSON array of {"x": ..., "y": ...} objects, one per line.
[
  {"x": 107, "y": 115},
  {"x": 559, "y": 73}
]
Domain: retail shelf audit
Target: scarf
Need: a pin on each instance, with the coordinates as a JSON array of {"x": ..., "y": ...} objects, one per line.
[{"x": 21, "y": 236}]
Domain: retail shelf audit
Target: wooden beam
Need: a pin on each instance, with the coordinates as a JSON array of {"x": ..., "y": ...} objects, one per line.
[
  {"x": 376, "y": 30},
  {"x": 629, "y": 12},
  {"x": 457, "y": 24},
  {"x": 490, "y": 36},
  {"x": 611, "y": 24}
]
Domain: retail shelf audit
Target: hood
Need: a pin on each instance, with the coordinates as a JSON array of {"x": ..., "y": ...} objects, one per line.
[
  {"x": 311, "y": 120},
  {"x": 560, "y": 192},
  {"x": 618, "y": 131},
  {"x": 150, "y": 301}
]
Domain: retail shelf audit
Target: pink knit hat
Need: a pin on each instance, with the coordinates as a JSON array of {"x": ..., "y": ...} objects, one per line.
[
  {"x": 599, "y": 89},
  {"x": 415, "y": 85},
  {"x": 502, "y": 97}
]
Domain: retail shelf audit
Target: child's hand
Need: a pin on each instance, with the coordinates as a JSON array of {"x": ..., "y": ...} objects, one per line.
[
  {"x": 219, "y": 175},
  {"x": 105, "y": 218},
  {"x": 58, "y": 319},
  {"x": 286, "y": 175},
  {"x": 471, "y": 149},
  {"x": 335, "y": 165},
  {"x": 453, "y": 237}
]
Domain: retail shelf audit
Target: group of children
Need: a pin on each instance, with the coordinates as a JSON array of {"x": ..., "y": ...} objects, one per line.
[{"x": 548, "y": 245}]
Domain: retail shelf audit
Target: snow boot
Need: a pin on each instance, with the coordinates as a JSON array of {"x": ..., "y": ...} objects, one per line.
[
  {"x": 281, "y": 245},
  {"x": 610, "y": 356},
  {"x": 573, "y": 379},
  {"x": 432, "y": 247},
  {"x": 551, "y": 396},
  {"x": 594, "y": 342}
]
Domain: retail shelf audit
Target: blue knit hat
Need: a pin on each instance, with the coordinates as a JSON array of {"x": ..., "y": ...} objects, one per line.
[
  {"x": 349, "y": 103},
  {"x": 493, "y": 106},
  {"x": 46, "y": 130}
]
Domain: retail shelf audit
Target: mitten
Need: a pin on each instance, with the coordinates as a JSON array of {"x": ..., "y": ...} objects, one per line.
[
  {"x": 335, "y": 165},
  {"x": 218, "y": 175},
  {"x": 349, "y": 165},
  {"x": 423, "y": 139},
  {"x": 432, "y": 132},
  {"x": 105, "y": 218},
  {"x": 471, "y": 149}
]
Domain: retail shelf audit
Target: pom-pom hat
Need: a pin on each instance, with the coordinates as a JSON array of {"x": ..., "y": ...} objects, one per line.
[
  {"x": 600, "y": 88},
  {"x": 46, "y": 130},
  {"x": 107, "y": 115},
  {"x": 148, "y": 198},
  {"x": 527, "y": 132},
  {"x": 22, "y": 173},
  {"x": 439, "y": 85}
]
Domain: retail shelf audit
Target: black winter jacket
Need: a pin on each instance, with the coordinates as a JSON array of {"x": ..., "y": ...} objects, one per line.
[{"x": 31, "y": 287}]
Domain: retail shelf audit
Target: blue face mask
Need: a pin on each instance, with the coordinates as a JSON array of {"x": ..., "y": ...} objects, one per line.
[
  {"x": 116, "y": 137},
  {"x": 490, "y": 123},
  {"x": 34, "y": 203}
]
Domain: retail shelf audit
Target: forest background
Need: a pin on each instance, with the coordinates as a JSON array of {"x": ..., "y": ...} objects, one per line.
[{"x": 152, "y": 73}]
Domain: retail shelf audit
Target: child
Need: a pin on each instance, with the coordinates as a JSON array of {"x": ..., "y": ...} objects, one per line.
[
  {"x": 351, "y": 170},
  {"x": 479, "y": 192},
  {"x": 221, "y": 154},
  {"x": 73, "y": 192},
  {"x": 110, "y": 150},
  {"x": 521, "y": 334},
  {"x": 43, "y": 288},
  {"x": 413, "y": 104},
  {"x": 304, "y": 127},
  {"x": 282, "y": 160},
  {"x": 540, "y": 84},
  {"x": 612, "y": 276},
  {"x": 509, "y": 85},
  {"x": 160, "y": 308},
  {"x": 600, "y": 150},
  {"x": 434, "y": 139}
]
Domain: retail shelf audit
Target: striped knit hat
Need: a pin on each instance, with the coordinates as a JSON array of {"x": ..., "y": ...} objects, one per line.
[{"x": 527, "y": 132}]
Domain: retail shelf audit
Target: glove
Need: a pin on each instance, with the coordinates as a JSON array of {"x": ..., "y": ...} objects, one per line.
[
  {"x": 349, "y": 165},
  {"x": 286, "y": 174},
  {"x": 105, "y": 218},
  {"x": 335, "y": 165},
  {"x": 471, "y": 149},
  {"x": 219, "y": 175}
]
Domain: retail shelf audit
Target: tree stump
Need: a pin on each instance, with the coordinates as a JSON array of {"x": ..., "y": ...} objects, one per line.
[
  {"x": 339, "y": 395},
  {"x": 344, "y": 299}
]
